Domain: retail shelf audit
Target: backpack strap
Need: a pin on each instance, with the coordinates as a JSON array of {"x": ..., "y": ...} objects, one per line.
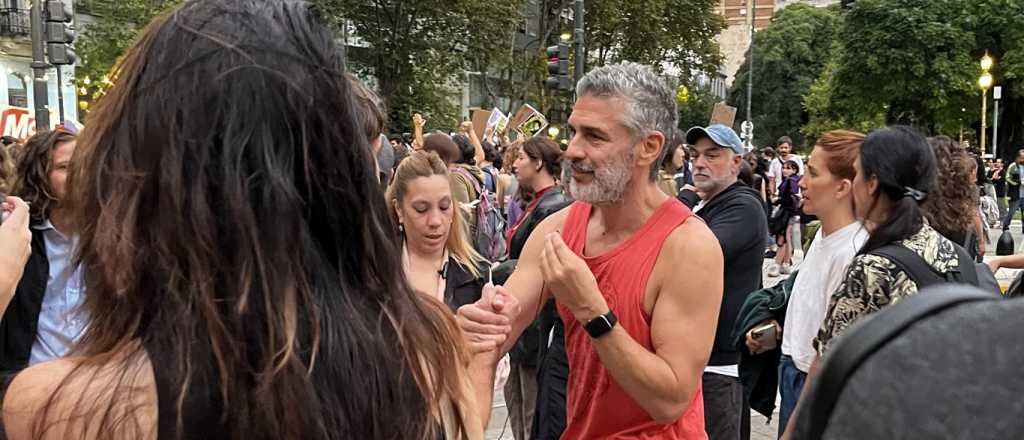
[
  {"x": 472, "y": 180},
  {"x": 866, "y": 338},
  {"x": 911, "y": 263},
  {"x": 968, "y": 271}
]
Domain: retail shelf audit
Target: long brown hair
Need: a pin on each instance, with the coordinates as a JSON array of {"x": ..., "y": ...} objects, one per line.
[
  {"x": 425, "y": 164},
  {"x": 6, "y": 170},
  {"x": 231, "y": 218},
  {"x": 547, "y": 152},
  {"x": 948, "y": 207},
  {"x": 32, "y": 172}
]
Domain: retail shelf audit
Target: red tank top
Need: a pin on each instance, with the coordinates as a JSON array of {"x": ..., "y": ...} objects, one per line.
[{"x": 596, "y": 406}]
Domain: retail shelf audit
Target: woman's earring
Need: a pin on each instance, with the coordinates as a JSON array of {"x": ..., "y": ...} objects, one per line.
[{"x": 401, "y": 228}]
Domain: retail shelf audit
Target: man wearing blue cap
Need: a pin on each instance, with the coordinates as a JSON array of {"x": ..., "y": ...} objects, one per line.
[{"x": 734, "y": 213}]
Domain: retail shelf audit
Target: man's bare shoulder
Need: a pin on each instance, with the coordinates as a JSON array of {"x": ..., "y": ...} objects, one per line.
[{"x": 692, "y": 241}]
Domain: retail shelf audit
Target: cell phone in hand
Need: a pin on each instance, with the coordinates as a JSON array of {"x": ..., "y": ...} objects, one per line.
[{"x": 767, "y": 335}]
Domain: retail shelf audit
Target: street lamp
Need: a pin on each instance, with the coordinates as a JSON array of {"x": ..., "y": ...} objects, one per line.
[{"x": 985, "y": 81}]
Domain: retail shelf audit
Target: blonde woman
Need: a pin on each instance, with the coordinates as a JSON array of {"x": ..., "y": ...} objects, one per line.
[{"x": 437, "y": 255}]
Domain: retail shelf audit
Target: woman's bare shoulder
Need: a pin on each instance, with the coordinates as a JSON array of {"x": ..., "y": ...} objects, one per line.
[{"x": 76, "y": 398}]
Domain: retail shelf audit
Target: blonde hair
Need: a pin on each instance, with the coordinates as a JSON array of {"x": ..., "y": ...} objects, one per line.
[{"x": 427, "y": 164}]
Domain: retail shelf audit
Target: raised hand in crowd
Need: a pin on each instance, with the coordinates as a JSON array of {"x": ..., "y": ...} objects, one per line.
[
  {"x": 417, "y": 122},
  {"x": 15, "y": 247}
]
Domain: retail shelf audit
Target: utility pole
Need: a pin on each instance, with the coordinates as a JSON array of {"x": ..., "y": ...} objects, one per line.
[
  {"x": 60, "y": 94},
  {"x": 580, "y": 48},
  {"x": 39, "y": 66},
  {"x": 750, "y": 57}
]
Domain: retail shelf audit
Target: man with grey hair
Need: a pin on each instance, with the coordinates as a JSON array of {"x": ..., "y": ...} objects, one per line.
[
  {"x": 735, "y": 214},
  {"x": 637, "y": 334}
]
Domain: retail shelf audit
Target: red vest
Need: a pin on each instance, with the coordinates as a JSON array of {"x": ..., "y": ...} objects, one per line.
[{"x": 596, "y": 406}]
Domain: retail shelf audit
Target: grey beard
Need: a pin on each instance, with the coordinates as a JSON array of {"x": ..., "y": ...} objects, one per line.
[{"x": 609, "y": 184}]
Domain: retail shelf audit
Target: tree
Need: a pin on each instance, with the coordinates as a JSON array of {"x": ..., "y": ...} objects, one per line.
[
  {"x": 418, "y": 50},
  {"x": 660, "y": 33},
  {"x": 695, "y": 107},
  {"x": 103, "y": 42},
  {"x": 789, "y": 55},
  {"x": 915, "y": 62}
]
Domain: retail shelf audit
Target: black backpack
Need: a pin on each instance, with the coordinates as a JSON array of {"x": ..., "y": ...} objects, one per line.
[
  {"x": 941, "y": 364},
  {"x": 968, "y": 272}
]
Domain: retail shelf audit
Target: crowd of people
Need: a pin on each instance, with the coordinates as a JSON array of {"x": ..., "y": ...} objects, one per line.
[{"x": 254, "y": 257}]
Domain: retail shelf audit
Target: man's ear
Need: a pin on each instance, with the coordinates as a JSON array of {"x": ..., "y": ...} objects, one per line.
[{"x": 650, "y": 148}]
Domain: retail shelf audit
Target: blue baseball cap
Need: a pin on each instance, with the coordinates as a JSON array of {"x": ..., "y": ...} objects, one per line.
[{"x": 724, "y": 136}]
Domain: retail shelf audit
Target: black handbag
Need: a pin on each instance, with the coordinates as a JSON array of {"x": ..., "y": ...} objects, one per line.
[{"x": 779, "y": 221}]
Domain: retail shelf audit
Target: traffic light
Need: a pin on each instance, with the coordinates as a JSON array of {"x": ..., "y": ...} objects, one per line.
[
  {"x": 59, "y": 32},
  {"x": 558, "y": 68}
]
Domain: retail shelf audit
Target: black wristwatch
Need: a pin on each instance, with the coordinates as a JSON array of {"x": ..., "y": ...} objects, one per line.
[{"x": 601, "y": 325}]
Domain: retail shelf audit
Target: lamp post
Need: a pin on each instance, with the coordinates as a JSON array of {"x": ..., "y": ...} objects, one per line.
[
  {"x": 985, "y": 81},
  {"x": 997, "y": 93}
]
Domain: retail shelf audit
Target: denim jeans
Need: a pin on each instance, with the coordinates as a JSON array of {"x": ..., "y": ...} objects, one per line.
[
  {"x": 791, "y": 382},
  {"x": 1014, "y": 206}
]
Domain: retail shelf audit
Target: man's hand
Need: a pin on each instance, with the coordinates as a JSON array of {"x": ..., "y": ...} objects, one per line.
[
  {"x": 15, "y": 245},
  {"x": 487, "y": 323},
  {"x": 571, "y": 280},
  {"x": 417, "y": 120}
]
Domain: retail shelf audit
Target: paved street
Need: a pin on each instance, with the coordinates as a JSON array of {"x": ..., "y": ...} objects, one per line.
[{"x": 760, "y": 429}]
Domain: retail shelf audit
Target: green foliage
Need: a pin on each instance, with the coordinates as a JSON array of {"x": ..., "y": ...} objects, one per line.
[
  {"x": 916, "y": 62},
  {"x": 102, "y": 43},
  {"x": 695, "y": 109},
  {"x": 420, "y": 50},
  {"x": 789, "y": 55},
  {"x": 826, "y": 114},
  {"x": 655, "y": 32}
]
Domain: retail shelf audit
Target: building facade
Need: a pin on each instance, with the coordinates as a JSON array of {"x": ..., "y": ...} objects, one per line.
[
  {"x": 735, "y": 39},
  {"x": 17, "y": 101},
  {"x": 779, "y": 4}
]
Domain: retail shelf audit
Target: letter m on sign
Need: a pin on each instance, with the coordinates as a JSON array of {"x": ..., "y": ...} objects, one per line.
[{"x": 15, "y": 122}]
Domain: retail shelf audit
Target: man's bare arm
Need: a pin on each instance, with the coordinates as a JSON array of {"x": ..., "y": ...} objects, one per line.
[
  {"x": 480, "y": 325},
  {"x": 527, "y": 282}
]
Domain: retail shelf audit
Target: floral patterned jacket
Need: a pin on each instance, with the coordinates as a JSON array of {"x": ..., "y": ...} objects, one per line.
[{"x": 872, "y": 282}]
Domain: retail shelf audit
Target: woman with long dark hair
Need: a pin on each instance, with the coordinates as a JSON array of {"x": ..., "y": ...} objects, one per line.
[{"x": 241, "y": 272}]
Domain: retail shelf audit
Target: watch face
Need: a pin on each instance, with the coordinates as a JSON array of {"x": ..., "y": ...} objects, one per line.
[{"x": 600, "y": 325}]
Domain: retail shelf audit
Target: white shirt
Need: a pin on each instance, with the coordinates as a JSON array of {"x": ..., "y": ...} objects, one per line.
[
  {"x": 820, "y": 275},
  {"x": 60, "y": 323},
  {"x": 775, "y": 168}
]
